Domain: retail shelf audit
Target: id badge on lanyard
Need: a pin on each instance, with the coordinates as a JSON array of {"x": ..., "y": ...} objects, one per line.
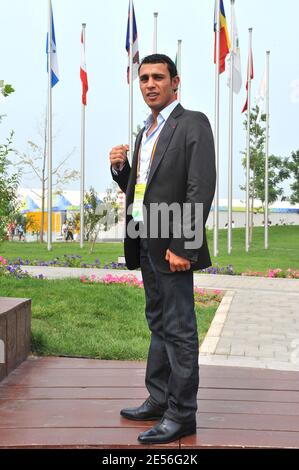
[{"x": 137, "y": 209}]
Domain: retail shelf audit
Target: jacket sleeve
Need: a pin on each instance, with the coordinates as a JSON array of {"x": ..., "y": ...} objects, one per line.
[
  {"x": 122, "y": 176},
  {"x": 200, "y": 185}
]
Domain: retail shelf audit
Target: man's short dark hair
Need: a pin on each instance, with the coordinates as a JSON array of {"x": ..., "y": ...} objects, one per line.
[{"x": 160, "y": 59}]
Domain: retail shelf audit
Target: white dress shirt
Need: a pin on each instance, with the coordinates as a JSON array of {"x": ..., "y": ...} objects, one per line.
[{"x": 148, "y": 141}]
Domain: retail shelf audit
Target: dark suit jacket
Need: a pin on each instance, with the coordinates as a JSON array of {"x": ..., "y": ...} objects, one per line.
[{"x": 183, "y": 170}]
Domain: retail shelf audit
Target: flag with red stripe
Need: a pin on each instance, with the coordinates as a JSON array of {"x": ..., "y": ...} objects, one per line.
[
  {"x": 83, "y": 71},
  {"x": 249, "y": 74},
  {"x": 224, "y": 37}
]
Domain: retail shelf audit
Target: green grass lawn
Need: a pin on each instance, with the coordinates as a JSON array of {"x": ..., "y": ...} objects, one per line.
[
  {"x": 283, "y": 252},
  {"x": 98, "y": 321},
  {"x": 283, "y": 249}
]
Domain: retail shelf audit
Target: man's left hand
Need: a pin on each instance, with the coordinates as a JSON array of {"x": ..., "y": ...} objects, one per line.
[{"x": 177, "y": 263}]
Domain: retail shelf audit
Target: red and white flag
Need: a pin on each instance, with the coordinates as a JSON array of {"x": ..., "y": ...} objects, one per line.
[
  {"x": 83, "y": 72},
  {"x": 249, "y": 74}
]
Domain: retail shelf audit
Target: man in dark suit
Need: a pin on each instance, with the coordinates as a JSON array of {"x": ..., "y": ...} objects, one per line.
[{"x": 173, "y": 166}]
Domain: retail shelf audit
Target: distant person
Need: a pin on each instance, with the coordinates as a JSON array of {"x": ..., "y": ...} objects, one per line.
[
  {"x": 269, "y": 222},
  {"x": 11, "y": 229},
  {"x": 233, "y": 224},
  {"x": 64, "y": 230},
  {"x": 70, "y": 235},
  {"x": 20, "y": 230}
]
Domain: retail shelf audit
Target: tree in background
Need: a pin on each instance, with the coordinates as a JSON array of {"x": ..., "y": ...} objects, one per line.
[
  {"x": 9, "y": 182},
  {"x": 5, "y": 89},
  {"x": 31, "y": 225},
  {"x": 35, "y": 159},
  {"x": 278, "y": 167},
  {"x": 293, "y": 166},
  {"x": 100, "y": 215}
]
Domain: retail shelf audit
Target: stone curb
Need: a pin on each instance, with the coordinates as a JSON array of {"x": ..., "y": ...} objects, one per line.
[{"x": 213, "y": 335}]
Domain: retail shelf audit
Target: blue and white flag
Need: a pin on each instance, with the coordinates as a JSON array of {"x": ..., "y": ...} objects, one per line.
[
  {"x": 135, "y": 47},
  {"x": 54, "y": 62}
]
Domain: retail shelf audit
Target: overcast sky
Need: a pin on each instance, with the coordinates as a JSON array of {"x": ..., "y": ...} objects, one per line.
[{"x": 23, "y": 25}]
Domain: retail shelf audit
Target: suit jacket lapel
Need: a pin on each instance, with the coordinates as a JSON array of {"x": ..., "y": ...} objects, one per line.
[
  {"x": 133, "y": 174},
  {"x": 164, "y": 140},
  {"x": 163, "y": 143}
]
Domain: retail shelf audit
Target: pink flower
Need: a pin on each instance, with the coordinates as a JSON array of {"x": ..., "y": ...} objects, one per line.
[
  {"x": 126, "y": 279},
  {"x": 199, "y": 290}
]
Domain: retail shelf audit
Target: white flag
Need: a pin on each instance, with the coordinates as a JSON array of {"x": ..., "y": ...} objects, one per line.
[
  {"x": 261, "y": 96},
  {"x": 235, "y": 50}
]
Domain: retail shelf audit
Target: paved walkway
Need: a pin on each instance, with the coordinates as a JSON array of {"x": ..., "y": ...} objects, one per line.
[{"x": 256, "y": 325}]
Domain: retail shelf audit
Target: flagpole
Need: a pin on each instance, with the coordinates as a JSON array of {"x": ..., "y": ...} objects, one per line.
[
  {"x": 49, "y": 141},
  {"x": 82, "y": 172},
  {"x": 216, "y": 197},
  {"x": 230, "y": 138},
  {"x": 179, "y": 68},
  {"x": 266, "y": 226},
  {"x": 248, "y": 140},
  {"x": 131, "y": 83},
  {"x": 155, "y": 47}
]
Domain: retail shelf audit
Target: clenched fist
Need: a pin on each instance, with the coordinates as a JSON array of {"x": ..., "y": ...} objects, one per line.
[{"x": 118, "y": 156}]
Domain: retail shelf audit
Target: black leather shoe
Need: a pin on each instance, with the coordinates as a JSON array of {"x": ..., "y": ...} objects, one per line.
[
  {"x": 167, "y": 431},
  {"x": 145, "y": 412}
]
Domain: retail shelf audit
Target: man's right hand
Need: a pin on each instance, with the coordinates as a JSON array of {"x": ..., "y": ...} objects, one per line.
[{"x": 118, "y": 156}]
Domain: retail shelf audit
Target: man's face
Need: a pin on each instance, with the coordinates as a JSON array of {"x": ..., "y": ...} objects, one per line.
[{"x": 156, "y": 85}]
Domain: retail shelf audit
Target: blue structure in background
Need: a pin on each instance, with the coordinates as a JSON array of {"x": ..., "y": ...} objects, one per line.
[
  {"x": 28, "y": 205},
  {"x": 60, "y": 203}
]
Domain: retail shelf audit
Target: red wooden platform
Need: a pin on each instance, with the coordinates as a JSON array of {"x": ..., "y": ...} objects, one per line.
[{"x": 75, "y": 403}]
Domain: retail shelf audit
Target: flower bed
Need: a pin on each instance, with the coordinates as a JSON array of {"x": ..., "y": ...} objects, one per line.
[
  {"x": 206, "y": 295},
  {"x": 275, "y": 273},
  {"x": 216, "y": 269},
  {"x": 67, "y": 261},
  {"x": 126, "y": 279},
  {"x": 203, "y": 296},
  {"x": 14, "y": 270},
  {"x": 75, "y": 261}
]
